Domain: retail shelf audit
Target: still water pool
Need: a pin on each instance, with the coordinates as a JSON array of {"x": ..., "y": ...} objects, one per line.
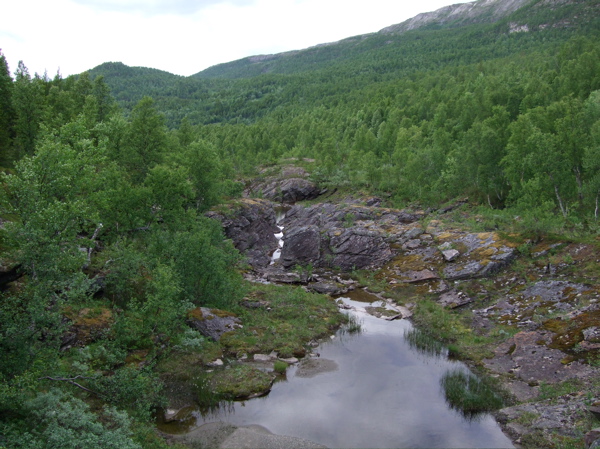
[{"x": 374, "y": 390}]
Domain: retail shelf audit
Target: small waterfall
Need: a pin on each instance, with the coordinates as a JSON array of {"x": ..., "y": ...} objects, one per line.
[{"x": 279, "y": 216}]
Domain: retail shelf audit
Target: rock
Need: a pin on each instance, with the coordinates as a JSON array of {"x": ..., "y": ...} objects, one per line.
[
  {"x": 281, "y": 277},
  {"x": 453, "y": 299},
  {"x": 326, "y": 288},
  {"x": 527, "y": 356},
  {"x": 290, "y": 190},
  {"x": 356, "y": 248},
  {"x": 470, "y": 270},
  {"x": 212, "y": 323},
  {"x": 180, "y": 414},
  {"x": 251, "y": 225},
  {"x": 412, "y": 244},
  {"x": 592, "y": 334},
  {"x": 418, "y": 276},
  {"x": 302, "y": 246},
  {"x": 216, "y": 363},
  {"x": 592, "y": 439},
  {"x": 290, "y": 360},
  {"x": 312, "y": 367},
  {"x": 262, "y": 358},
  {"x": 450, "y": 255},
  {"x": 85, "y": 326}
]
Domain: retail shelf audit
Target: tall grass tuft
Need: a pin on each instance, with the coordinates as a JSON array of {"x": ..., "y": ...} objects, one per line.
[
  {"x": 424, "y": 343},
  {"x": 469, "y": 394}
]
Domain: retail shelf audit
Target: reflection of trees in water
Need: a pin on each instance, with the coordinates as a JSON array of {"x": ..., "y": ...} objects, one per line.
[{"x": 470, "y": 394}]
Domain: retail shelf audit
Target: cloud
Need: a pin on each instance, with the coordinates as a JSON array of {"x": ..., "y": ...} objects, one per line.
[{"x": 157, "y": 7}]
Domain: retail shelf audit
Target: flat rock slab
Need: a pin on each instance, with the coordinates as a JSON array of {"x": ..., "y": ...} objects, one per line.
[
  {"x": 227, "y": 436},
  {"x": 259, "y": 437},
  {"x": 453, "y": 299},
  {"x": 527, "y": 357},
  {"x": 212, "y": 323},
  {"x": 315, "y": 366}
]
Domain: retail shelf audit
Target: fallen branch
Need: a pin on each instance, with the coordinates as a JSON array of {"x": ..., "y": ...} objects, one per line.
[{"x": 71, "y": 380}]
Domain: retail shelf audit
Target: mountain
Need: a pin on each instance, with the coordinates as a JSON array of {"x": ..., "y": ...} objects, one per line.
[
  {"x": 456, "y": 36},
  {"x": 510, "y": 16}
]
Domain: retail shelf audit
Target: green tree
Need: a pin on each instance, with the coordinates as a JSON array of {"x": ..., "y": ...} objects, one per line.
[
  {"x": 28, "y": 104},
  {"x": 6, "y": 113},
  {"x": 145, "y": 141}
]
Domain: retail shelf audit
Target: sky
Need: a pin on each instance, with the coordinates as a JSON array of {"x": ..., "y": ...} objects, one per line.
[{"x": 182, "y": 37}]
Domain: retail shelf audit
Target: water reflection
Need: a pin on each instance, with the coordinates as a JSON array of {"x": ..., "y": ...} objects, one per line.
[{"x": 380, "y": 389}]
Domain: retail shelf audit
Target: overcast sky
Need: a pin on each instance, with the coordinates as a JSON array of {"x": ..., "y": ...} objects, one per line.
[{"x": 182, "y": 36}]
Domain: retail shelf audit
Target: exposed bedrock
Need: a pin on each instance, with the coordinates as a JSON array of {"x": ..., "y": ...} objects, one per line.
[{"x": 251, "y": 225}]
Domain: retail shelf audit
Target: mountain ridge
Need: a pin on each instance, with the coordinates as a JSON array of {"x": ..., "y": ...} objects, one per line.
[{"x": 510, "y": 15}]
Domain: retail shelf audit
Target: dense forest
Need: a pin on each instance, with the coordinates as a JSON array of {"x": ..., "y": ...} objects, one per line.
[{"x": 107, "y": 176}]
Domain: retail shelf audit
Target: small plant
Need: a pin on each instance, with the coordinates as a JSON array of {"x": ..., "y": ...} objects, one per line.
[
  {"x": 280, "y": 366},
  {"x": 527, "y": 418},
  {"x": 424, "y": 343},
  {"x": 349, "y": 220},
  {"x": 469, "y": 394},
  {"x": 304, "y": 271},
  {"x": 353, "y": 326}
]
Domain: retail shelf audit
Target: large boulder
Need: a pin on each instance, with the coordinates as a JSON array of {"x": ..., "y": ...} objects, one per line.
[
  {"x": 302, "y": 246},
  {"x": 251, "y": 225},
  {"x": 357, "y": 248},
  {"x": 344, "y": 236},
  {"x": 291, "y": 190}
]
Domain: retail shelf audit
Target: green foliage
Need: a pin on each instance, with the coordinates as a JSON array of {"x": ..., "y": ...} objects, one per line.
[
  {"x": 59, "y": 421},
  {"x": 280, "y": 366},
  {"x": 136, "y": 390},
  {"x": 469, "y": 394}
]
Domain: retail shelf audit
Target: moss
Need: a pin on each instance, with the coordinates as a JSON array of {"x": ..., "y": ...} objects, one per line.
[
  {"x": 196, "y": 314},
  {"x": 569, "y": 333},
  {"x": 240, "y": 382}
]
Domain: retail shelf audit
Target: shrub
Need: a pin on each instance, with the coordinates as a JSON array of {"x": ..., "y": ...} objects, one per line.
[{"x": 58, "y": 421}]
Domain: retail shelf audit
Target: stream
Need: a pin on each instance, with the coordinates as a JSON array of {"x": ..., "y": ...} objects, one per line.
[
  {"x": 372, "y": 388},
  {"x": 366, "y": 389}
]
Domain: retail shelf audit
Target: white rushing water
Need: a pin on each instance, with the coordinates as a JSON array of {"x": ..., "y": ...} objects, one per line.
[{"x": 280, "y": 214}]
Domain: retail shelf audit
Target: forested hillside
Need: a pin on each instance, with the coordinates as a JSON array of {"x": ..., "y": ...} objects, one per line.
[
  {"x": 107, "y": 177},
  {"x": 503, "y": 112}
]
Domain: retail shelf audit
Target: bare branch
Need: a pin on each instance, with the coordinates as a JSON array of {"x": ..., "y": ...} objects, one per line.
[{"x": 71, "y": 380}]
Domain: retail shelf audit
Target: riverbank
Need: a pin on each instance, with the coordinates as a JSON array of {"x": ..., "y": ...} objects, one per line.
[{"x": 521, "y": 308}]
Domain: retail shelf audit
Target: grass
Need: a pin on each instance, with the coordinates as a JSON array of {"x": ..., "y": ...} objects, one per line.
[
  {"x": 453, "y": 329},
  {"x": 424, "y": 343},
  {"x": 239, "y": 381},
  {"x": 280, "y": 366},
  {"x": 293, "y": 318},
  {"x": 470, "y": 394},
  {"x": 554, "y": 391},
  {"x": 353, "y": 326}
]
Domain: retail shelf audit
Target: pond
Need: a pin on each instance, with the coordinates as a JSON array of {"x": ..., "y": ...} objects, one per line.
[{"x": 367, "y": 389}]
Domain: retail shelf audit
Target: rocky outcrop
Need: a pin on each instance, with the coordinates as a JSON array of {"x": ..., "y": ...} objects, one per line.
[
  {"x": 291, "y": 190},
  {"x": 251, "y": 225},
  {"x": 212, "y": 323},
  {"x": 289, "y": 185},
  {"x": 460, "y": 13},
  {"x": 345, "y": 237},
  {"x": 85, "y": 326}
]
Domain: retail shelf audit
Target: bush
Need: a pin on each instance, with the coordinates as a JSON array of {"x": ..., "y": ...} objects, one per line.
[
  {"x": 138, "y": 388},
  {"x": 57, "y": 421}
]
